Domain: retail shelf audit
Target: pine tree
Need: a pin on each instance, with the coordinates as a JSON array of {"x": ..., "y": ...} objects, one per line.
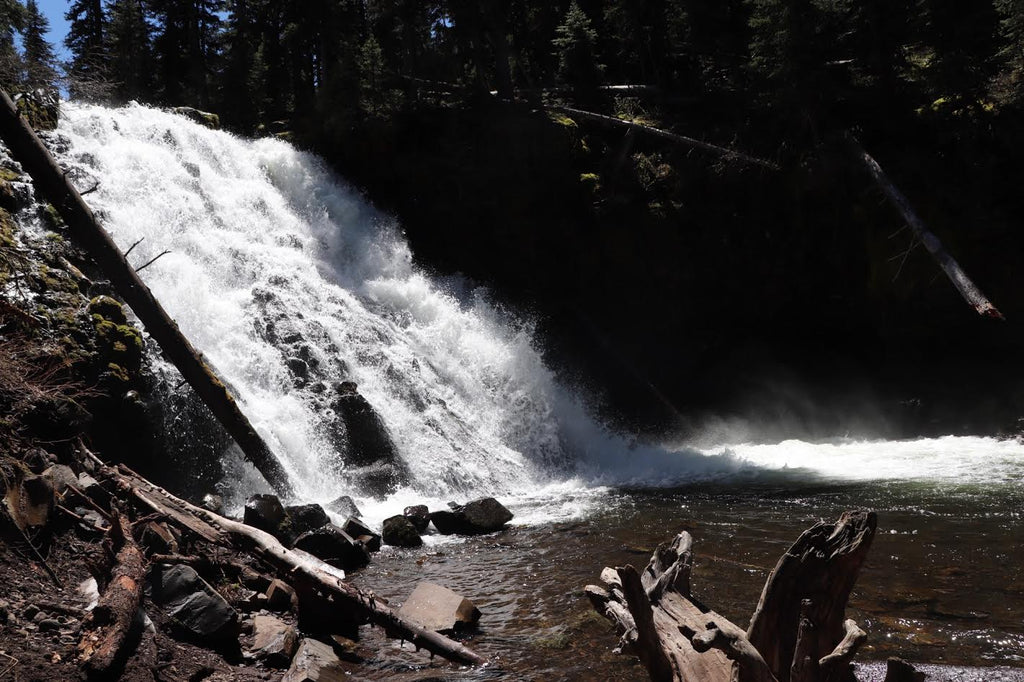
[
  {"x": 963, "y": 39},
  {"x": 89, "y": 69},
  {"x": 186, "y": 49},
  {"x": 575, "y": 45},
  {"x": 1011, "y": 30},
  {"x": 40, "y": 64},
  {"x": 12, "y": 18},
  {"x": 131, "y": 56}
]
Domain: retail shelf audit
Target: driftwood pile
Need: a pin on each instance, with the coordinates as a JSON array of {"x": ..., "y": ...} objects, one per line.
[{"x": 798, "y": 632}]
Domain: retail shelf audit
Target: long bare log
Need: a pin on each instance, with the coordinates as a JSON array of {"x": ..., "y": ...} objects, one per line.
[
  {"x": 674, "y": 138},
  {"x": 967, "y": 288},
  {"x": 106, "y": 628},
  {"x": 85, "y": 228},
  {"x": 293, "y": 565}
]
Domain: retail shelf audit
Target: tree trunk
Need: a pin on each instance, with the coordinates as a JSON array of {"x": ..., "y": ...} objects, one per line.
[
  {"x": 85, "y": 228},
  {"x": 797, "y": 633},
  {"x": 970, "y": 292}
]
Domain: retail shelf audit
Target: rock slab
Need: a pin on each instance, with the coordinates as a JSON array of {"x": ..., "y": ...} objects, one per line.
[
  {"x": 315, "y": 662},
  {"x": 437, "y": 608},
  {"x": 193, "y": 604},
  {"x": 274, "y": 641}
]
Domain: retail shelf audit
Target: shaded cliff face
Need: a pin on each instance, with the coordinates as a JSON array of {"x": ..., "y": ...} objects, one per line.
[{"x": 677, "y": 283}]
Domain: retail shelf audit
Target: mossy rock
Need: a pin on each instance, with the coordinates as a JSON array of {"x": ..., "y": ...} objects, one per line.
[
  {"x": 7, "y": 228},
  {"x": 41, "y": 108},
  {"x": 108, "y": 309},
  {"x": 590, "y": 181},
  {"x": 203, "y": 118},
  {"x": 51, "y": 217}
]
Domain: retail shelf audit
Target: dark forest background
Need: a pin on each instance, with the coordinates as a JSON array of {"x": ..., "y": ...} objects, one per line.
[{"x": 674, "y": 280}]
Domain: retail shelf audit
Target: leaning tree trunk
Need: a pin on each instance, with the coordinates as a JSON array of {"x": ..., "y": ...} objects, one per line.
[
  {"x": 53, "y": 183},
  {"x": 798, "y": 632}
]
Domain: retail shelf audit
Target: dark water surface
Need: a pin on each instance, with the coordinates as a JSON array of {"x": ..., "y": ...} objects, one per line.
[{"x": 942, "y": 584}]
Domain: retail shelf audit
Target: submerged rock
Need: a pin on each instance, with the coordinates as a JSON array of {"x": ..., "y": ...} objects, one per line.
[
  {"x": 399, "y": 532},
  {"x": 439, "y": 609},
  {"x": 484, "y": 515}
]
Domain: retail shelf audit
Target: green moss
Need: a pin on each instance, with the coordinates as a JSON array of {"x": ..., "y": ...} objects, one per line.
[
  {"x": 52, "y": 217},
  {"x": 38, "y": 114},
  {"x": 6, "y": 230},
  {"x": 590, "y": 180},
  {"x": 562, "y": 120},
  {"x": 107, "y": 309},
  {"x": 117, "y": 372},
  {"x": 557, "y": 641},
  {"x": 8, "y": 175}
]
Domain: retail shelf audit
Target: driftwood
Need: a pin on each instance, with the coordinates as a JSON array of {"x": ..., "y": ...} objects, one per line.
[
  {"x": 294, "y": 566},
  {"x": 52, "y": 182},
  {"x": 610, "y": 121},
  {"x": 797, "y": 634},
  {"x": 105, "y": 629},
  {"x": 970, "y": 292}
]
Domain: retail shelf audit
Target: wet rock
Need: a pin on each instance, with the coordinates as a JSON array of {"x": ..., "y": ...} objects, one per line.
[
  {"x": 274, "y": 641},
  {"x": 369, "y": 444},
  {"x": 214, "y": 503},
  {"x": 378, "y": 480},
  {"x": 315, "y": 662},
  {"x": 334, "y": 546},
  {"x": 344, "y": 506},
  {"x": 280, "y": 596},
  {"x": 362, "y": 533},
  {"x": 109, "y": 309},
  {"x": 484, "y": 515},
  {"x": 203, "y": 118},
  {"x": 195, "y": 606},
  {"x": 303, "y": 518},
  {"x": 439, "y": 609},
  {"x": 419, "y": 515},
  {"x": 399, "y": 532},
  {"x": 62, "y": 477},
  {"x": 298, "y": 368},
  {"x": 40, "y": 107},
  {"x": 898, "y": 670},
  {"x": 264, "y": 512}
]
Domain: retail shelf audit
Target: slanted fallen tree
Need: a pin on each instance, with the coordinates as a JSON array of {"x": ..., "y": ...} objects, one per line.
[
  {"x": 52, "y": 182},
  {"x": 798, "y": 633}
]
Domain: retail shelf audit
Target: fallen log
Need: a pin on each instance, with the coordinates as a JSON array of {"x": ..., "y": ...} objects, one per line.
[
  {"x": 106, "y": 628},
  {"x": 797, "y": 634},
  {"x": 968, "y": 290},
  {"x": 293, "y": 565},
  {"x": 610, "y": 121},
  {"x": 52, "y": 183}
]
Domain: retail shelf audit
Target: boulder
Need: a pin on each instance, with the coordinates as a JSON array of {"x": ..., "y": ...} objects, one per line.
[
  {"x": 362, "y": 533},
  {"x": 36, "y": 501},
  {"x": 274, "y": 641},
  {"x": 371, "y": 460},
  {"x": 334, "y": 546},
  {"x": 484, "y": 515},
  {"x": 302, "y": 518},
  {"x": 158, "y": 539},
  {"x": 203, "y": 118},
  {"x": 439, "y": 609},
  {"x": 195, "y": 606},
  {"x": 62, "y": 478},
  {"x": 315, "y": 662},
  {"x": 399, "y": 532},
  {"x": 419, "y": 515},
  {"x": 264, "y": 512},
  {"x": 281, "y": 596},
  {"x": 344, "y": 506}
]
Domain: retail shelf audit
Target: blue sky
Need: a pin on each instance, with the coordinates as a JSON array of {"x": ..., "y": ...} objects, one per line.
[{"x": 54, "y": 11}]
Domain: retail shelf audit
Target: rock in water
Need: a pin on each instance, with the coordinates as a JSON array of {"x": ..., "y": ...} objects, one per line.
[
  {"x": 193, "y": 604},
  {"x": 399, "y": 532},
  {"x": 485, "y": 515},
  {"x": 345, "y": 506},
  {"x": 371, "y": 459},
  {"x": 334, "y": 546},
  {"x": 439, "y": 609},
  {"x": 419, "y": 515},
  {"x": 362, "y": 533},
  {"x": 302, "y": 518},
  {"x": 315, "y": 662},
  {"x": 264, "y": 512},
  {"x": 275, "y": 641}
]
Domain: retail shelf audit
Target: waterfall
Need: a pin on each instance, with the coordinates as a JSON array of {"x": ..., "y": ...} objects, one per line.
[{"x": 290, "y": 282}]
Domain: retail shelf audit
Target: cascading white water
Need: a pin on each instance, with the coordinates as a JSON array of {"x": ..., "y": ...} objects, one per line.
[{"x": 275, "y": 263}]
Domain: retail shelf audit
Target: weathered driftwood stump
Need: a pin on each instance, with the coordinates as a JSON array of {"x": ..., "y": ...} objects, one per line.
[{"x": 798, "y": 632}]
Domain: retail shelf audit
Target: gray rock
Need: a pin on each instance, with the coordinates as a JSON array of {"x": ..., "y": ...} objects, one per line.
[
  {"x": 439, "y": 609},
  {"x": 315, "y": 662},
  {"x": 49, "y": 625},
  {"x": 344, "y": 506},
  {"x": 302, "y": 518},
  {"x": 334, "y": 546},
  {"x": 264, "y": 512},
  {"x": 419, "y": 515},
  {"x": 62, "y": 477},
  {"x": 274, "y": 641},
  {"x": 485, "y": 515},
  {"x": 399, "y": 532},
  {"x": 193, "y": 604},
  {"x": 362, "y": 533}
]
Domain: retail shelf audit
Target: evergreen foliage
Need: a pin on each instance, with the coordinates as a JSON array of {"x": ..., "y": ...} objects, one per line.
[{"x": 40, "y": 63}]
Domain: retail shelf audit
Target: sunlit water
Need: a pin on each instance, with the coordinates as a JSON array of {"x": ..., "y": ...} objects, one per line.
[{"x": 271, "y": 255}]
